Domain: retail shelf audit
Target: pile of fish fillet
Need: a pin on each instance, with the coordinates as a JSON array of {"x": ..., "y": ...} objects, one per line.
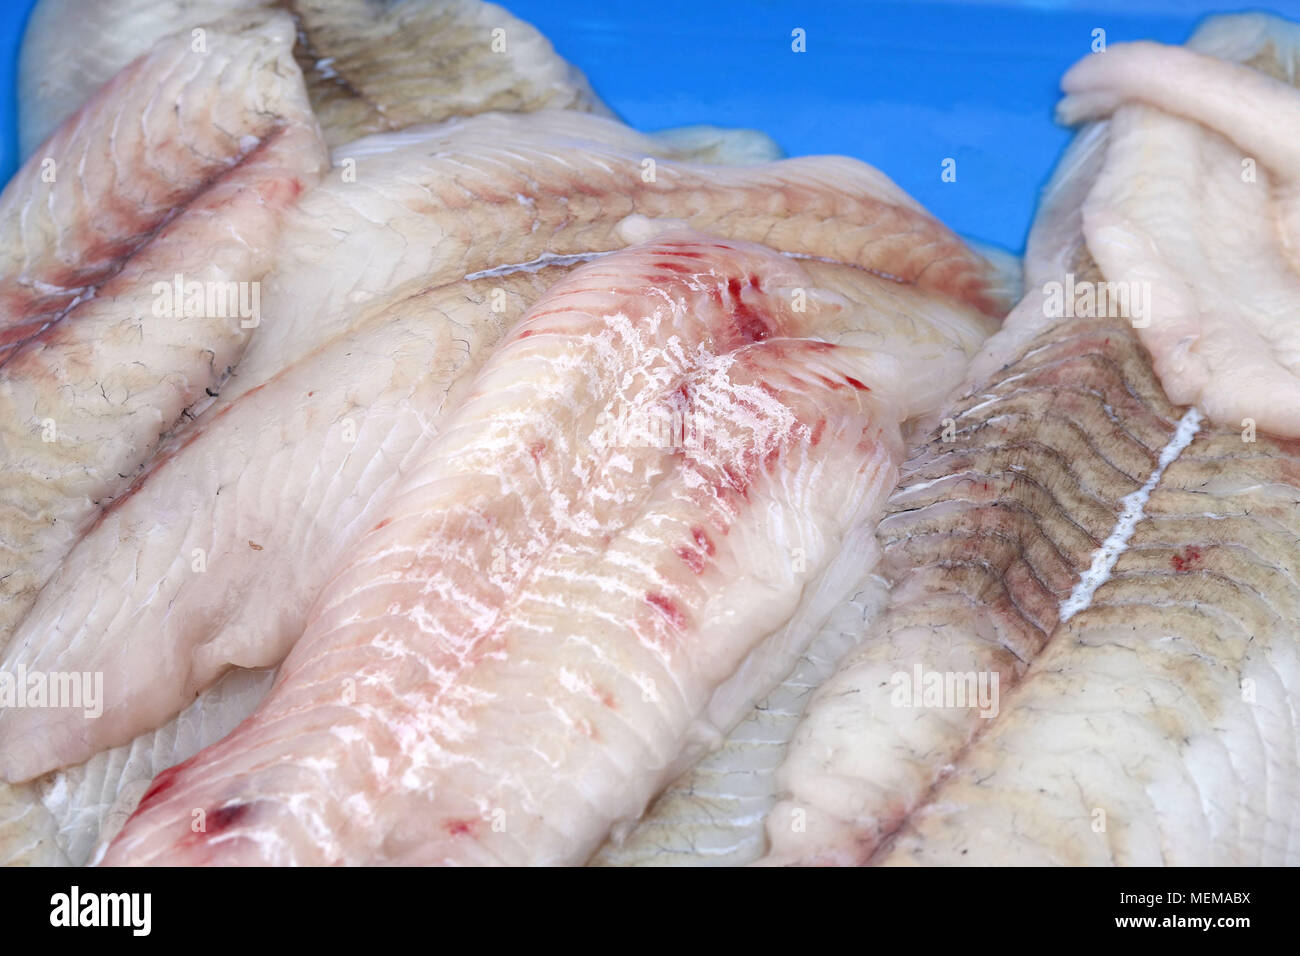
[{"x": 577, "y": 495}]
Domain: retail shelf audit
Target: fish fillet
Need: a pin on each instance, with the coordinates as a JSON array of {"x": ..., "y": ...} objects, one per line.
[
  {"x": 929, "y": 335},
  {"x": 394, "y": 730},
  {"x": 90, "y": 383},
  {"x": 1159, "y": 725},
  {"x": 225, "y": 539},
  {"x": 1034, "y": 552},
  {"x": 440, "y": 202},
  {"x": 346, "y": 244},
  {"x": 215, "y": 555},
  {"x": 89, "y": 803},
  {"x": 713, "y": 814},
  {"x": 369, "y": 66}
]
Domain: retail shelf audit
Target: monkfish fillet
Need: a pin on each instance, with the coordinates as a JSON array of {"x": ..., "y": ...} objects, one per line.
[
  {"x": 369, "y": 66},
  {"x": 640, "y": 485},
  {"x": 1159, "y": 725},
  {"x": 263, "y": 593},
  {"x": 215, "y": 555},
  {"x": 441, "y": 202},
  {"x": 230, "y": 534},
  {"x": 1103, "y": 571},
  {"x": 205, "y": 151}
]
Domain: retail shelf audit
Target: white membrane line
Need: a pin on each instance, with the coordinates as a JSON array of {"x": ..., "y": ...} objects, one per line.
[
  {"x": 1104, "y": 558},
  {"x": 840, "y": 262},
  {"x": 551, "y": 259},
  {"x": 536, "y": 265}
]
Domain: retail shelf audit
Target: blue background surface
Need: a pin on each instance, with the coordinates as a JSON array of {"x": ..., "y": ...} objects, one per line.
[{"x": 902, "y": 85}]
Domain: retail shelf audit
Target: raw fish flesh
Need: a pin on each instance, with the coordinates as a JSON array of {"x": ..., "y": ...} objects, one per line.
[
  {"x": 554, "y": 604},
  {"x": 343, "y": 252},
  {"x": 1124, "y": 570},
  {"x": 215, "y": 555},
  {"x": 93, "y": 371},
  {"x": 438, "y": 203}
]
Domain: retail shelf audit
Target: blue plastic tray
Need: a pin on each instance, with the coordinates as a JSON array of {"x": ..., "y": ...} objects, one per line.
[{"x": 902, "y": 85}]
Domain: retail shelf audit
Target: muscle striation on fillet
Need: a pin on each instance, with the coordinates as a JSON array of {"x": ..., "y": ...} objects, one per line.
[
  {"x": 84, "y": 400},
  {"x": 552, "y": 601}
]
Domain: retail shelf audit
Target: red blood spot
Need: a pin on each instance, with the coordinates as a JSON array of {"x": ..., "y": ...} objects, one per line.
[
  {"x": 673, "y": 267},
  {"x": 756, "y": 282},
  {"x": 383, "y": 524},
  {"x": 460, "y": 827},
  {"x": 1187, "y": 561},
  {"x": 750, "y": 323},
  {"x": 818, "y": 430},
  {"x": 684, "y": 250},
  {"x": 693, "y": 559},
  {"x": 668, "y": 608},
  {"x": 225, "y": 817},
  {"x": 702, "y": 541},
  {"x": 736, "y": 480},
  {"x": 310, "y": 394},
  {"x": 856, "y": 384},
  {"x": 525, "y": 333},
  {"x": 538, "y": 450},
  {"x": 161, "y": 784},
  {"x": 608, "y": 700}
]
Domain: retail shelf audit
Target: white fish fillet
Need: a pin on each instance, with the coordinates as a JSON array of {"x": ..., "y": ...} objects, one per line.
[
  {"x": 444, "y": 636},
  {"x": 225, "y": 542},
  {"x": 89, "y": 803},
  {"x": 713, "y": 814},
  {"x": 1159, "y": 725},
  {"x": 439, "y": 202},
  {"x": 221, "y": 143},
  {"x": 214, "y": 558},
  {"x": 87, "y": 390},
  {"x": 238, "y": 613},
  {"x": 1002, "y": 552},
  {"x": 929, "y": 335}
]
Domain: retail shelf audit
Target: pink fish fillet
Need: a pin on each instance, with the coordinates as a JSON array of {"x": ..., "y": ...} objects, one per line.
[{"x": 640, "y": 490}]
